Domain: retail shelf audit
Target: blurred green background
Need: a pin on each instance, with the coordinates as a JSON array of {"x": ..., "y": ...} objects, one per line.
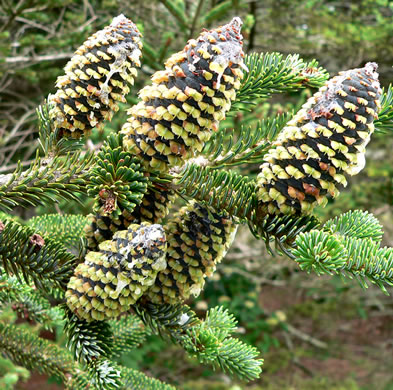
[{"x": 314, "y": 332}]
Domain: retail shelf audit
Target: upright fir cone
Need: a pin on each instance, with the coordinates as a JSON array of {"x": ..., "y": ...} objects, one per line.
[
  {"x": 324, "y": 141},
  {"x": 186, "y": 101},
  {"x": 111, "y": 280},
  {"x": 96, "y": 77},
  {"x": 153, "y": 209},
  {"x": 198, "y": 238}
]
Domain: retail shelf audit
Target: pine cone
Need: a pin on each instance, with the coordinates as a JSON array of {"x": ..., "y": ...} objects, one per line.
[
  {"x": 198, "y": 238},
  {"x": 324, "y": 141},
  {"x": 186, "y": 101},
  {"x": 153, "y": 209},
  {"x": 111, "y": 280},
  {"x": 95, "y": 78}
]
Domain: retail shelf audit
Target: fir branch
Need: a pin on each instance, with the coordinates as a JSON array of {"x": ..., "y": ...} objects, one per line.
[
  {"x": 251, "y": 144},
  {"x": 269, "y": 73},
  {"x": 174, "y": 8},
  {"x": 87, "y": 341},
  {"x": 218, "y": 11},
  {"x": 282, "y": 229},
  {"x": 66, "y": 229},
  {"x": 128, "y": 333},
  {"x": 356, "y": 224},
  {"x": 50, "y": 140},
  {"x": 78, "y": 382},
  {"x": 94, "y": 342},
  {"x": 238, "y": 359},
  {"x": 367, "y": 261},
  {"x": 347, "y": 245},
  {"x": 28, "y": 302},
  {"x": 210, "y": 341},
  {"x": 320, "y": 252},
  {"x": 11, "y": 288},
  {"x": 221, "y": 189},
  {"x": 117, "y": 180},
  {"x": 221, "y": 322},
  {"x": 104, "y": 375},
  {"x": 167, "y": 320},
  {"x": 25, "y": 253},
  {"x": 136, "y": 380},
  {"x": 26, "y": 349},
  {"x": 34, "y": 307},
  {"x": 34, "y": 353},
  {"x": 129, "y": 379},
  {"x": 45, "y": 181},
  {"x": 384, "y": 123}
]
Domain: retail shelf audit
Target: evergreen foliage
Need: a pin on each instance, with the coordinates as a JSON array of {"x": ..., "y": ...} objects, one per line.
[
  {"x": 116, "y": 181},
  {"x": 167, "y": 320},
  {"x": 231, "y": 191},
  {"x": 67, "y": 229},
  {"x": 271, "y": 73},
  {"x": 212, "y": 343},
  {"x": 209, "y": 340},
  {"x": 348, "y": 245},
  {"x": 143, "y": 262},
  {"x": 35, "y": 353},
  {"x": 45, "y": 181},
  {"x": 357, "y": 223},
  {"x": 385, "y": 117},
  {"x": 30, "y": 304},
  {"x": 128, "y": 333},
  {"x": 136, "y": 380},
  {"x": 87, "y": 340},
  {"x": 251, "y": 144},
  {"x": 26, "y": 254}
]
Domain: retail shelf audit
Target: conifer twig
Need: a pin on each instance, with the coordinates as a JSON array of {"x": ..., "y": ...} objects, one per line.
[{"x": 46, "y": 180}]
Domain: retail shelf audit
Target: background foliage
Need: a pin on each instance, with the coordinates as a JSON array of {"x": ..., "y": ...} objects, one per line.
[{"x": 315, "y": 332}]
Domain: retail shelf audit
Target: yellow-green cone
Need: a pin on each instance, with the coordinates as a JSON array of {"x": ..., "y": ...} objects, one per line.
[
  {"x": 198, "y": 238},
  {"x": 96, "y": 77},
  {"x": 187, "y": 100},
  {"x": 111, "y": 280},
  {"x": 324, "y": 142}
]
